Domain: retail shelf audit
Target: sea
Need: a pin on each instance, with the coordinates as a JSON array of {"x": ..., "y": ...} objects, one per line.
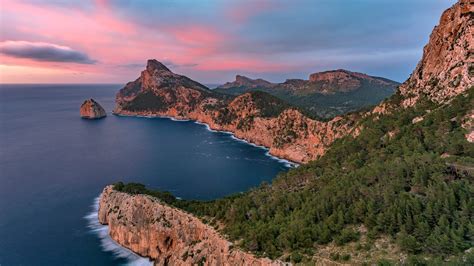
[{"x": 54, "y": 165}]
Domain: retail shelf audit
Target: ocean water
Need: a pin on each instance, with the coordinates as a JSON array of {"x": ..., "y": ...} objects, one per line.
[{"x": 53, "y": 166}]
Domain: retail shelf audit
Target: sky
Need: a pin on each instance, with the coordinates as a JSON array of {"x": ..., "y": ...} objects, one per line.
[{"x": 107, "y": 41}]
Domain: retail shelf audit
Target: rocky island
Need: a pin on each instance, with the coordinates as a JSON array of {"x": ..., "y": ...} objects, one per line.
[{"x": 91, "y": 109}]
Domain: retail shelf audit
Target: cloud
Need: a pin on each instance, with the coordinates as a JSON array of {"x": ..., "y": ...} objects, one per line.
[{"x": 40, "y": 51}]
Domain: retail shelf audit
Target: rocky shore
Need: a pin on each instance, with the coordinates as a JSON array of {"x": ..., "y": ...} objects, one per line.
[{"x": 167, "y": 235}]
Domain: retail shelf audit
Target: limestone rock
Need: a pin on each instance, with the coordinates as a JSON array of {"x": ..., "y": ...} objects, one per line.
[
  {"x": 167, "y": 235},
  {"x": 447, "y": 66},
  {"x": 91, "y": 109}
]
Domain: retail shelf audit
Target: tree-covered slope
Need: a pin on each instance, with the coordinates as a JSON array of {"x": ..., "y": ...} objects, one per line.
[{"x": 410, "y": 184}]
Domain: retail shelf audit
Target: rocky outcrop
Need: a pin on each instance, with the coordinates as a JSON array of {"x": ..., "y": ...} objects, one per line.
[
  {"x": 167, "y": 235},
  {"x": 447, "y": 66},
  {"x": 91, "y": 109},
  {"x": 255, "y": 116},
  {"x": 468, "y": 124}
]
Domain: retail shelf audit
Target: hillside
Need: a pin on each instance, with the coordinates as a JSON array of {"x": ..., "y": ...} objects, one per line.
[
  {"x": 255, "y": 116},
  {"x": 324, "y": 94},
  {"x": 400, "y": 191}
]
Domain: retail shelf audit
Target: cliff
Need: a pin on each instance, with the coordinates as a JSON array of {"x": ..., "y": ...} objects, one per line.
[
  {"x": 91, "y": 109},
  {"x": 447, "y": 66},
  {"x": 165, "y": 234},
  {"x": 254, "y": 116}
]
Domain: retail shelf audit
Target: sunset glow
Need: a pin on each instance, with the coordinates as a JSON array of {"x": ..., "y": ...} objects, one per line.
[{"x": 211, "y": 41}]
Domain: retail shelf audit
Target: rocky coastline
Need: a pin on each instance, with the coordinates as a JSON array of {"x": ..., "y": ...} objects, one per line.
[
  {"x": 167, "y": 235},
  {"x": 255, "y": 117}
]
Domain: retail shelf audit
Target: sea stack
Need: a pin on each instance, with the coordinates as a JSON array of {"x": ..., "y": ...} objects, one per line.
[{"x": 91, "y": 109}]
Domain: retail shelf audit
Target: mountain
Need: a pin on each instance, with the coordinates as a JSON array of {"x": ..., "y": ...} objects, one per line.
[
  {"x": 324, "y": 94},
  {"x": 242, "y": 81},
  {"x": 447, "y": 66},
  {"x": 399, "y": 191},
  {"x": 256, "y": 116}
]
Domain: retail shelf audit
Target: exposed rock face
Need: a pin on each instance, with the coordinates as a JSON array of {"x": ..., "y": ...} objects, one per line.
[
  {"x": 256, "y": 117},
  {"x": 447, "y": 66},
  {"x": 343, "y": 81},
  {"x": 468, "y": 124},
  {"x": 167, "y": 235},
  {"x": 91, "y": 109}
]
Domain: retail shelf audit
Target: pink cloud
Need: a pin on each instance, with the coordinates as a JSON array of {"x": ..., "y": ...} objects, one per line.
[{"x": 112, "y": 41}]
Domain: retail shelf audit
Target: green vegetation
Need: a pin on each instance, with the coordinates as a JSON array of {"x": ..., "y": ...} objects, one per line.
[
  {"x": 136, "y": 188},
  {"x": 146, "y": 101},
  {"x": 269, "y": 105},
  {"x": 407, "y": 182},
  {"x": 323, "y": 106}
]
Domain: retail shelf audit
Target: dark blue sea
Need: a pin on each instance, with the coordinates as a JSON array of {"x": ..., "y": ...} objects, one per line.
[{"x": 53, "y": 166}]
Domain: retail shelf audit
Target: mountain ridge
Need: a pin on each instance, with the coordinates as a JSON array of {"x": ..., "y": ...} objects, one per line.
[{"x": 325, "y": 94}]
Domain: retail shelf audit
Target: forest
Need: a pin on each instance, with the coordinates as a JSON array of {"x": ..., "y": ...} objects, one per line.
[{"x": 408, "y": 177}]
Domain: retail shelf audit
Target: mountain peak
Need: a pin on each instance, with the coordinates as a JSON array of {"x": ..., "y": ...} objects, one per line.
[
  {"x": 243, "y": 81},
  {"x": 240, "y": 78},
  {"x": 338, "y": 74},
  {"x": 153, "y": 64},
  {"x": 447, "y": 66}
]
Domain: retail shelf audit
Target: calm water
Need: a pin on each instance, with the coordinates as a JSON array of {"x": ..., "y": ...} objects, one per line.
[{"x": 54, "y": 164}]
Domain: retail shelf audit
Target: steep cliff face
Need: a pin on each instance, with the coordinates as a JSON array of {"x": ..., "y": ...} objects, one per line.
[
  {"x": 91, "y": 109},
  {"x": 447, "y": 66},
  {"x": 255, "y": 116},
  {"x": 167, "y": 235}
]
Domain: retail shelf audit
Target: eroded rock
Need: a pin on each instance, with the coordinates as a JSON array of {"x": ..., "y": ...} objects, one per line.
[
  {"x": 167, "y": 235},
  {"x": 91, "y": 109}
]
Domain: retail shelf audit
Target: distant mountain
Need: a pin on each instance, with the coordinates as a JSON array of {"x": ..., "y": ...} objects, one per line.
[{"x": 325, "y": 94}]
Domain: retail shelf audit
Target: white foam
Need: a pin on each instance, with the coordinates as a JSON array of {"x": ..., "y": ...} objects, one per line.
[{"x": 107, "y": 243}]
